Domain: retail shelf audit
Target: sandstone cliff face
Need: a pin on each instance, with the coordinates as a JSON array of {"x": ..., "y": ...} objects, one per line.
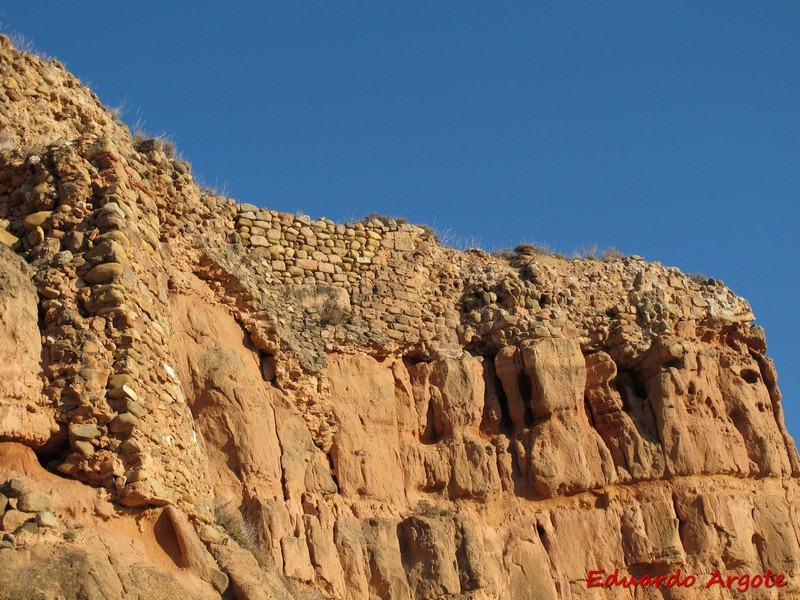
[
  {"x": 24, "y": 411},
  {"x": 224, "y": 400}
]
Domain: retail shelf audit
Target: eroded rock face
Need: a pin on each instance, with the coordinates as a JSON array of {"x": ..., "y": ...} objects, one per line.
[
  {"x": 25, "y": 414},
  {"x": 252, "y": 404},
  {"x": 560, "y": 453}
]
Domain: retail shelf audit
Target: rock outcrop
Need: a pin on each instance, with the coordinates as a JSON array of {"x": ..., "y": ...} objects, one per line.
[{"x": 205, "y": 399}]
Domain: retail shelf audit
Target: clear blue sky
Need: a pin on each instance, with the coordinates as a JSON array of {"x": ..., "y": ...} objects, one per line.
[{"x": 667, "y": 129}]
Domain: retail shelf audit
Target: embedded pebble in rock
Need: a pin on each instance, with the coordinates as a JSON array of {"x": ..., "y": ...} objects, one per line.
[
  {"x": 102, "y": 146},
  {"x": 8, "y": 238},
  {"x": 34, "y": 502},
  {"x": 47, "y": 520},
  {"x": 35, "y": 236},
  {"x": 136, "y": 409},
  {"x": 49, "y": 292},
  {"x": 36, "y": 219},
  {"x": 28, "y": 527},
  {"x": 13, "y": 519},
  {"x": 130, "y": 446},
  {"x": 84, "y": 447},
  {"x": 84, "y": 431},
  {"x": 210, "y": 535},
  {"x": 106, "y": 251},
  {"x": 123, "y": 423},
  {"x": 123, "y": 391},
  {"x": 12, "y": 488},
  {"x": 104, "y": 273},
  {"x": 120, "y": 379}
]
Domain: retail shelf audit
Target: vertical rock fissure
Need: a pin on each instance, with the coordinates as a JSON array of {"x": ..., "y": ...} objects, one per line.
[
  {"x": 331, "y": 466},
  {"x": 506, "y": 423},
  {"x": 284, "y": 483},
  {"x": 526, "y": 392}
]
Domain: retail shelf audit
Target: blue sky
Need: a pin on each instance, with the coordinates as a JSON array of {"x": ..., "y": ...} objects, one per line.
[{"x": 666, "y": 129}]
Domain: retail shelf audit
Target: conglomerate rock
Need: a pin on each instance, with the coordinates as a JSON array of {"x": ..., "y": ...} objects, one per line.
[{"x": 228, "y": 401}]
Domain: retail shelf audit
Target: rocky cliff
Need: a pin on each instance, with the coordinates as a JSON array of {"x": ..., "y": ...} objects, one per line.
[{"x": 205, "y": 399}]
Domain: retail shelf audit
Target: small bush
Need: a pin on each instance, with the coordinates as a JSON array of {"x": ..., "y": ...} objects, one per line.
[
  {"x": 244, "y": 533},
  {"x": 698, "y": 278},
  {"x": 505, "y": 253},
  {"x": 169, "y": 149},
  {"x": 426, "y": 509},
  {"x": 526, "y": 249},
  {"x": 431, "y": 232},
  {"x": 215, "y": 188},
  {"x": 477, "y": 252},
  {"x": 384, "y": 219},
  {"x": 25, "y": 44},
  {"x": 333, "y": 314},
  {"x": 611, "y": 254},
  {"x": 146, "y": 142},
  {"x": 231, "y": 520},
  {"x": 589, "y": 253},
  {"x": 117, "y": 112}
]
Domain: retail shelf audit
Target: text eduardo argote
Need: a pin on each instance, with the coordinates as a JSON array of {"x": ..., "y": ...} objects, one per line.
[{"x": 599, "y": 578}]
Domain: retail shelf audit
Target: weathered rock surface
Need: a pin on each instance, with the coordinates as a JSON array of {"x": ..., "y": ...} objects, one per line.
[
  {"x": 25, "y": 415},
  {"x": 205, "y": 399}
]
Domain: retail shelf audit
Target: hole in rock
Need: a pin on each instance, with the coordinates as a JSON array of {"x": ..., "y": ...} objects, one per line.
[
  {"x": 479, "y": 347},
  {"x": 412, "y": 360},
  {"x": 541, "y": 532},
  {"x": 267, "y": 367},
  {"x": 750, "y": 376},
  {"x": 55, "y": 448}
]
